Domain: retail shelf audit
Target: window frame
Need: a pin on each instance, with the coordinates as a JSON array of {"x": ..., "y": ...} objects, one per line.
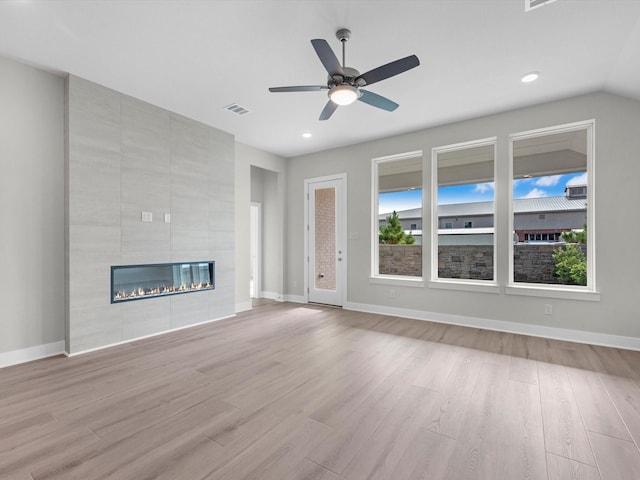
[
  {"x": 590, "y": 291},
  {"x": 375, "y": 276},
  {"x": 488, "y": 286}
]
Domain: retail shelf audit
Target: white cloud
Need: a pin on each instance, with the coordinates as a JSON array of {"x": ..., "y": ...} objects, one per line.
[
  {"x": 521, "y": 181},
  {"x": 484, "y": 187},
  {"x": 536, "y": 193},
  {"x": 579, "y": 180},
  {"x": 548, "y": 181}
]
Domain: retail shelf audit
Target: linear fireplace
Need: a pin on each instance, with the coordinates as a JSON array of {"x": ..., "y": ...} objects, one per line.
[{"x": 137, "y": 282}]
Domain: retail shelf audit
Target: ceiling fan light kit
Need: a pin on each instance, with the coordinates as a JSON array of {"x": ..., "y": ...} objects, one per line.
[
  {"x": 344, "y": 84},
  {"x": 343, "y": 94}
]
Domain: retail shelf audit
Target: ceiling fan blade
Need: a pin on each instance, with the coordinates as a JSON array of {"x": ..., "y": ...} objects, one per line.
[
  {"x": 327, "y": 57},
  {"x": 389, "y": 70},
  {"x": 301, "y": 88},
  {"x": 328, "y": 110},
  {"x": 376, "y": 100}
]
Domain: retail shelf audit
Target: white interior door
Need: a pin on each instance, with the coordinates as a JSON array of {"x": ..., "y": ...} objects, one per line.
[{"x": 326, "y": 253}]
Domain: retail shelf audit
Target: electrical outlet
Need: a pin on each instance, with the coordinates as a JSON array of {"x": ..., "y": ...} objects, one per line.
[
  {"x": 392, "y": 293},
  {"x": 548, "y": 309}
]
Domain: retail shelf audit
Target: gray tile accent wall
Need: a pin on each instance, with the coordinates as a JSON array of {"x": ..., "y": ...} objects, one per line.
[{"x": 125, "y": 156}]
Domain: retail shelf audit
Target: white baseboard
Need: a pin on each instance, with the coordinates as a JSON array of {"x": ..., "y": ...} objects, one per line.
[
  {"x": 271, "y": 295},
  {"x": 129, "y": 340},
  {"x": 29, "y": 354},
  {"x": 578, "y": 336},
  {"x": 295, "y": 298},
  {"x": 243, "y": 306}
]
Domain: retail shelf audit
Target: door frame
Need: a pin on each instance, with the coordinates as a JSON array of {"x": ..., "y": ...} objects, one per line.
[
  {"x": 255, "y": 234},
  {"x": 342, "y": 228}
]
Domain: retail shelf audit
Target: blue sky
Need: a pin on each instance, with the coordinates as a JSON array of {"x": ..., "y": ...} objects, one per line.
[{"x": 549, "y": 186}]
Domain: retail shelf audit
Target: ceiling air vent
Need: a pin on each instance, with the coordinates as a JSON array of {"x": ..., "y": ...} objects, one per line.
[
  {"x": 237, "y": 109},
  {"x": 531, "y": 4}
]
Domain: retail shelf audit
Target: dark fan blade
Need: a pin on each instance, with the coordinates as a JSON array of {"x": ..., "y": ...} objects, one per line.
[
  {"x": 302, "y": 88},
  {"x": 327, "y": 57},
  {"x": 377, "y": 101},
  {"x": 328, "y": 110},
  {"x": 389, "y": 70}
]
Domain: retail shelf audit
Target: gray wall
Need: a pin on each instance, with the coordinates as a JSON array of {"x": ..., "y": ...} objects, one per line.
[
  {"x": 31, "y": 207},
  {"x": 617, "y": 170},
  {"x": 123, "y": 157}
]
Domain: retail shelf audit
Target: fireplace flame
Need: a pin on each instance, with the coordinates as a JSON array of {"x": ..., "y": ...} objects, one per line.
[{"x": 159, "y": 291}]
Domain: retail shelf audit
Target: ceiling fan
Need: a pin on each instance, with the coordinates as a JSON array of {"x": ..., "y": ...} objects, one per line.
[{"x": 344, "y": 84}]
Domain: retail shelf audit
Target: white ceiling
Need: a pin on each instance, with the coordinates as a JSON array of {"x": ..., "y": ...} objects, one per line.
[{"x": 196, "y": 57}]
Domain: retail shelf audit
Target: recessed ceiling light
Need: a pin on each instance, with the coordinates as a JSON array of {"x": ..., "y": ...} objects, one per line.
[
  {"x": 306, "y": 135},
  {"x": 530, "y": 77}
]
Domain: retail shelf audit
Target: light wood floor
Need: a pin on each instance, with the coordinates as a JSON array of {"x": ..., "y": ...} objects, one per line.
[{"x": 290, "y": 391}]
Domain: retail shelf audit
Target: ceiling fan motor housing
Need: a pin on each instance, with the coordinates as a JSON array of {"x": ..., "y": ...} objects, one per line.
[{"x": 350, "y": 75}]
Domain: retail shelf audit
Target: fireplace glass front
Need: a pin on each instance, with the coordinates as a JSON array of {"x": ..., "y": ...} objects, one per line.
[{"x": 137, "y": 282}]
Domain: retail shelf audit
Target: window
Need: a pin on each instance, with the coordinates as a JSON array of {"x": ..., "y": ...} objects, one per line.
[
  {"x": 551, "y": 171},
  {"x": 397, "y": 240},
  {"x": 463, "y": 185}
]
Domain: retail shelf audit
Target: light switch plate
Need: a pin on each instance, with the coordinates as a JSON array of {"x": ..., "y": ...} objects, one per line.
[
  {"x": 167, "y": 218},
  {"x": 147, "y": 216}
]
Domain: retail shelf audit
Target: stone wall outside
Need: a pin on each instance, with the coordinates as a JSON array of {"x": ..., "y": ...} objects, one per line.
[
  {"x": 532, "y": 262},
  {"x": 466, "y": 261},
  {"x": 400, "y": 260}
]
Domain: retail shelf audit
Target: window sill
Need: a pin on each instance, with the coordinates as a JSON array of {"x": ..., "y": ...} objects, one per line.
[
  {"x": 553, "y": 292},
  {"x": 397, "y": 280},
  {"x": 468, "y": 286}
]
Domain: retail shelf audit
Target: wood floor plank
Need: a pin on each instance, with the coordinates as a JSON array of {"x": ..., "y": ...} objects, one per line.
[
  {"x": 439, "y": 360},
  {"x": 307, "y": 470},
  {"x": 564, "y": 432},
  {"x": 347, "y": 438},
  {"x": 598, "y": 411},
  {"x": 481, "y": 438},
  {"x": 427, "y": 457},
  {"x": 292, "y": 392},
  {"x": 625, "y": 395},
  {"x": 349, "y": 397},
  {"x": 522, "y": 442},
  {"x": 382, "y": 451},
  {"x": 616, "y": 458},
  {"x": 54, "y": 445},
  {"x": 521, "y": 367},
  {"x": 447, "y": 415},
  {"x": 276, "y": 454},
  {"x": 129, "y": 456},
  {"x": 561, "y": 468}
]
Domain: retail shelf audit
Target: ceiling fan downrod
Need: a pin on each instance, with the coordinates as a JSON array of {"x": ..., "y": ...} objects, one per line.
[{"x": 343, "y": 35}]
